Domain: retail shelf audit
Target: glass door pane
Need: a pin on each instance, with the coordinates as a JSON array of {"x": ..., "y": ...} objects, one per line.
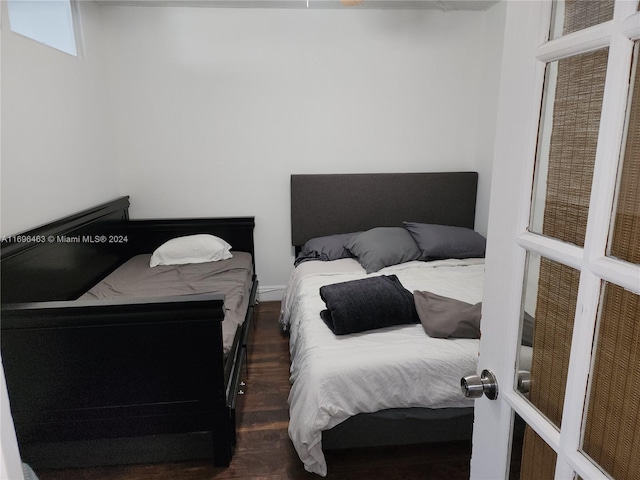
[
  {"x": 625, "y": 235},
  {"x": 611, "y": 437},
  {"x": 550, "y": 304},
  {"x": 567, "y": 141},
  {"x": 538, "y": 460},
  {"x": 572, "y": 15},
  {"x": 531, "y": 458}
]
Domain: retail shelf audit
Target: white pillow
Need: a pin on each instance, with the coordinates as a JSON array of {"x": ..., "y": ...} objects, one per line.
[{"x": 191, "y": 249}]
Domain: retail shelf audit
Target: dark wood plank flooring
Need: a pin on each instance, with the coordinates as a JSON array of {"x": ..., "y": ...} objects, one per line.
[{"x": 264, "y": 451}]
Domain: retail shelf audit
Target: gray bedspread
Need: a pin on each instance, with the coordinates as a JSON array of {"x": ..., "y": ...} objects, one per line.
[{"x": 232, "y": 278}]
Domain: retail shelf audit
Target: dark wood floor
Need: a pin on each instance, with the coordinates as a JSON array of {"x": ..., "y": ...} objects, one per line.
[{"x": 264, "y": 451}]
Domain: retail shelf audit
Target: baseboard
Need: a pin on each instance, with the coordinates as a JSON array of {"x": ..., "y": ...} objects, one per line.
[{"x": 270, "y": 293}]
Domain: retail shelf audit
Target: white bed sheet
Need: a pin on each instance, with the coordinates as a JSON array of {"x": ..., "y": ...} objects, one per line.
[{"x": 336, "y": 377}]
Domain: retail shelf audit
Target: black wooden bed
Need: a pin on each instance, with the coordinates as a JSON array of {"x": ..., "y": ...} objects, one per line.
[
  {"x": 329, "y": 204},
  {"x": 116, "y": 381}
]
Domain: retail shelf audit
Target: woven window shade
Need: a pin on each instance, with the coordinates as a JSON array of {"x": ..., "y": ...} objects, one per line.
[
  {"x": 553, "y": 329},
  {"x": 611, "y": 436},
  {"x": 574, "y": 138},
  {"x": 625, "y": 243},
  {"x": 611, "y": 433},
  {"x": 581, "y": 14},
  {"x": 540, "y": 463},
  {"x": 555, "y": 311}
]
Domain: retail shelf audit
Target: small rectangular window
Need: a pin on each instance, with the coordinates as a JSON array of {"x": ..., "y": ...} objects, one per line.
[{"x": 46, "y": 21}]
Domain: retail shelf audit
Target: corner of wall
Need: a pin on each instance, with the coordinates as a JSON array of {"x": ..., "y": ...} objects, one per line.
[{"x": 493, "y": 45}]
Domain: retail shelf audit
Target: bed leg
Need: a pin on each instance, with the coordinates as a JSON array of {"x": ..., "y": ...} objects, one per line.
[
  {"x": 222, "y": 436},
  {"x": 222, "y": 449}
]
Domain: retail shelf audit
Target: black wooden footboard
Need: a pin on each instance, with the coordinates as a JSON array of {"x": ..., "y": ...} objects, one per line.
[
  {"x": 113, "y": 370},
  {"x": 114, "y": 381}
]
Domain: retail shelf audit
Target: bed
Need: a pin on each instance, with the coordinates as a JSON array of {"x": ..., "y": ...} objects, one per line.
[
  {"x": 380, "y": 386},
  {"x": 110, "y": 361}
]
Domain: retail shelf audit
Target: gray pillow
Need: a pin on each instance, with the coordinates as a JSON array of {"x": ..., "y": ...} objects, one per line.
[
  {"x": 444, "y": 317},
  {"x": 330, "y": 247},
  {"x": 444, "y": 241},
  {"x": 383, "y": 246}
]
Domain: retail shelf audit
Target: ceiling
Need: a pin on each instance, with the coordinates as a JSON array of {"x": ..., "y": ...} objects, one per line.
[{"x": 442, "y": 5}]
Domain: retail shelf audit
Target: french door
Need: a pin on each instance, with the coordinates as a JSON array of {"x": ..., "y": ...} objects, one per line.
[{"x": 561, "y": 307}]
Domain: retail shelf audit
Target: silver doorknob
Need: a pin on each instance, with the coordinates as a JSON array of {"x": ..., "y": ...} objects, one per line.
[{"x": 473, "y": 386}]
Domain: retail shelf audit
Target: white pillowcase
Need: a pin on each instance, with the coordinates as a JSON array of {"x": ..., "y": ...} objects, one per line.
[{"x": 198, "y": 248}]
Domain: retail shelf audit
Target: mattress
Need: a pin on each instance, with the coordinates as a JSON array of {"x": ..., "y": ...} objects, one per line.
[
  {"x": 232, "y": 278},
  {"x": 337, "y": 377}
]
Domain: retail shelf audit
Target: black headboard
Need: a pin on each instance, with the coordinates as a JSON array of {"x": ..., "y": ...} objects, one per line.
[
  {"x": 41, "y": 264},
  {"x": 63, "y": 259},
  {"x": 326, "y": 204}
]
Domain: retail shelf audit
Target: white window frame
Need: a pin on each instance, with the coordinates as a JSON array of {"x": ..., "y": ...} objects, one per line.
[{"x": 54, "y": 23}]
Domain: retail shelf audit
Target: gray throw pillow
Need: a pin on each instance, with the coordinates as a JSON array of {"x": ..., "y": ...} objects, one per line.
[
  {"x": 445, "y": 241},
  {"x": 327, "y": 248},
  {"x": 383, "y": 246},
  {"x": 444, "y": 317}
]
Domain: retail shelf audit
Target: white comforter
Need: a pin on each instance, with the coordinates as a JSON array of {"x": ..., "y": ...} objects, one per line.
[{"x": 336, "y": 377}]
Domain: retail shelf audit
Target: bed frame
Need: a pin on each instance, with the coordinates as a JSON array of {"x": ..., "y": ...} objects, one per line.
[
  {"x": 118, "y": 381},
  {"x": 328, "y": 204}
]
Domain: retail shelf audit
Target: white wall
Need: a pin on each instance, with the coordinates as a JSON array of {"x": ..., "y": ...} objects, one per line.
[
  {"x": 215, "y": 108},
  {"x": 57, "y": 145},
  {"x": 489, "y": 82}
]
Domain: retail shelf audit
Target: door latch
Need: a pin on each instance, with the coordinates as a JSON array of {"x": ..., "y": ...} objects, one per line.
[{"x": 523, "y": 381}]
